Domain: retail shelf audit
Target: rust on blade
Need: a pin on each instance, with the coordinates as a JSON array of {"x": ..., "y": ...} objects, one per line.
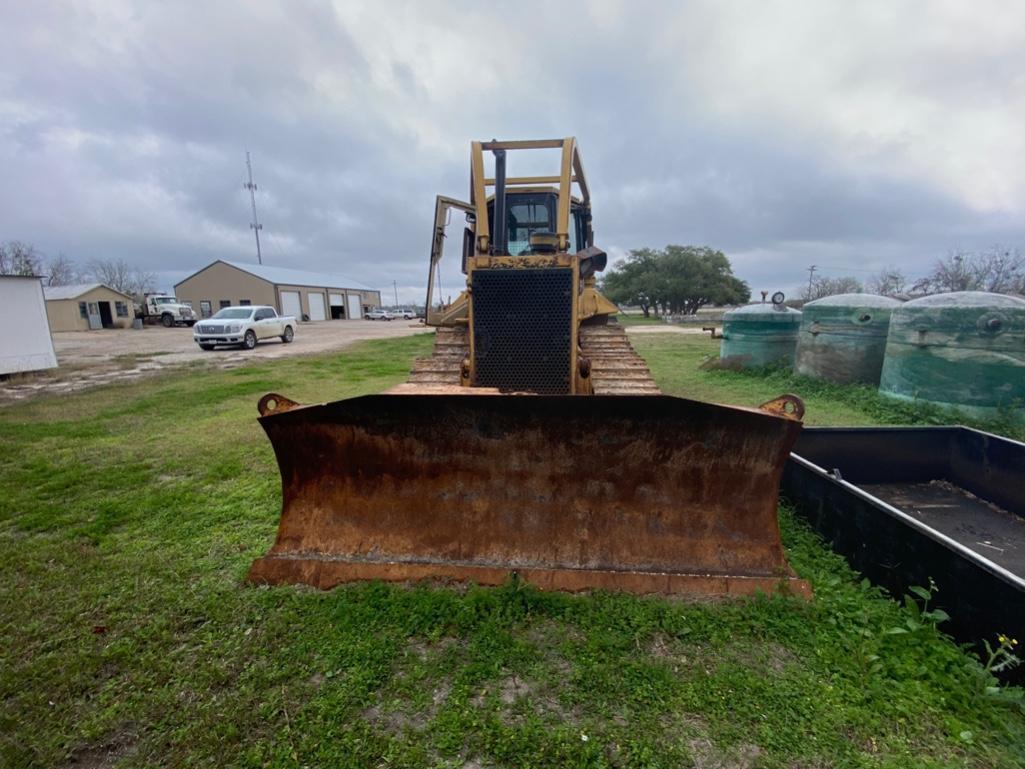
[
  {"x": 787, "y": 406},
  {"x": 272, "y": 403},
  {"x": 646, "y": 494}
]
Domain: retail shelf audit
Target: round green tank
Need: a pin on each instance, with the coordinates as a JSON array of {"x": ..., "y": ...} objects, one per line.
[
  {"x": 843, "y": 337},
  {"x": 964, "y": 350},
  {"x": 759, "y": 335}
]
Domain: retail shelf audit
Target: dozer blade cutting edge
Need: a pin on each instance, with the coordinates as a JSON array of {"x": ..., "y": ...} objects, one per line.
[{"x": 644, "y": 494}]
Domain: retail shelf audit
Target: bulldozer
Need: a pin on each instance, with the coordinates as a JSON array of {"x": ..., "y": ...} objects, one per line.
[{"x": 533, "y": 441}]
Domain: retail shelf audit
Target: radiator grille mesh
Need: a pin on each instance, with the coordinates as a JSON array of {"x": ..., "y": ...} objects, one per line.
[{"x": 522, "y": 329}]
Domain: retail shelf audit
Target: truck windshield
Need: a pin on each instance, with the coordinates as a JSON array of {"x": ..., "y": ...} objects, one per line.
[
  {"x": 234, "y": 313},
  {"x": 164, "y": 299}
]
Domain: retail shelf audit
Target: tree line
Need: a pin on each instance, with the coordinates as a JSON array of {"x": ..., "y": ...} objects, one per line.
[
  {"x": 998, "y": 270},
  {"x": 18, "y": 258}
]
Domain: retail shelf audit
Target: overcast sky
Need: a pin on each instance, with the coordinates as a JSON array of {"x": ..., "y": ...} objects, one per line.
[{"x": 848, "y": 135}]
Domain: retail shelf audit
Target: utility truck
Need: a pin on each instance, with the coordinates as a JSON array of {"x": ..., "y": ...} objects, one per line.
[{"x": 164, "y": 309}]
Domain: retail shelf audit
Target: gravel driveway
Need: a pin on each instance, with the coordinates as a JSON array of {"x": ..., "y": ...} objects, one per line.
[{"x": 91, "y": 358}]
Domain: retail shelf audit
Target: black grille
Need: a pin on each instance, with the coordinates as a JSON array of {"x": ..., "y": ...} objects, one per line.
[{"x": 522, "y": 329}]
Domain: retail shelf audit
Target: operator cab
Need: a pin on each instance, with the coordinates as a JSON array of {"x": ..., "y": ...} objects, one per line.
[{"x": 532, "y": 214}]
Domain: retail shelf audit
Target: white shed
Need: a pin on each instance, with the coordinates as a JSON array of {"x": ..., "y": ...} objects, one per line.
[{"x": 23, "y": 309}]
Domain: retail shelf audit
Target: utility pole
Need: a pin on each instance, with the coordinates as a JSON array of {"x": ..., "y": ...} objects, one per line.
[
  {"x": 255, "y": 225},
  {"x": 811, "y": 277},
  {"x": 395, "y": 285}
]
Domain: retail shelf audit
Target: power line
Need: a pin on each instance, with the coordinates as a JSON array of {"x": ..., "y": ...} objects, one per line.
[{"x": 255, "y": 224}]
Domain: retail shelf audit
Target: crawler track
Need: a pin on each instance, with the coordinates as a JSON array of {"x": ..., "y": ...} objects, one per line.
[
  {"x": 616, "y": 369},
  {"x": 451, "y": 346}
]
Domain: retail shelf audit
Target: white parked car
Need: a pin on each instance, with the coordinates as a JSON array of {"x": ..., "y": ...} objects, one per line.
[
  {"x": 243, "y": 326},
  {"x": 406, "y": 314},
  {"x": 378, "y": 314}
]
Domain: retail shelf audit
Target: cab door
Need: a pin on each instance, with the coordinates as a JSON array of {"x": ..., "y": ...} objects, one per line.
[
  {"x": 443, "y": 221},
  {"x": 263, "y": 324}
]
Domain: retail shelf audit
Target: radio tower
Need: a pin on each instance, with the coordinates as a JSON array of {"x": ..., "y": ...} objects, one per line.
[{"x": 255, "y": 226}]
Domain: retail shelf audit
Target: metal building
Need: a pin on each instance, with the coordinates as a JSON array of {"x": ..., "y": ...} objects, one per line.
[
  {"x": 306, "y": 295},
  {"x": 88, "y": 306},
  {"x": 26, "y": 344}
]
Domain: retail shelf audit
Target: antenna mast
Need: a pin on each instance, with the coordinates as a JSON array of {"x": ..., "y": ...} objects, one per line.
[{"x": 255, "y": 225}]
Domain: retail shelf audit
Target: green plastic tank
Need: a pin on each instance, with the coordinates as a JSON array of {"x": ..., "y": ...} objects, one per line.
[
  {"x": 964, "y": 350},
  {"x": 843, "y": 337},
  {"x": 759, "y": 335}
]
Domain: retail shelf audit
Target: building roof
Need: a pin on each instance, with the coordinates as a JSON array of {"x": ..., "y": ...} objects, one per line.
[
  {"x": 289, "y": 277},
  {"x": 76, "y": 290}
]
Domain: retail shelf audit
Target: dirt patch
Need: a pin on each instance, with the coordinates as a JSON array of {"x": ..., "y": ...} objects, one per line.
[
  {"x": 706, "y": 755},
  {"x": 94, "y": 358},
  {"x": 761, "y": 656},
  {"x": 424, "y": 650},
  {"x": 107, "y": 752},
  {"x": 393, "y": 716},
  {"x": 670, "y": 328},
  {"x": 394, "y": 721}
]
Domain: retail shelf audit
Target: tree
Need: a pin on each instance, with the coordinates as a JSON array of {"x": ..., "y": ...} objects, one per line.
[
  {"x": 821, "y": 287},
  {"x": 999, "y": 270},
  {"x": 675, "y": 280},
  {"x": 17, "y": 258},
  {"x": 60, "y": 271},
  {"x": 121, "y": 276},
  {"x": 889, "y": 281},
  {"x": 629, "y": 281}
]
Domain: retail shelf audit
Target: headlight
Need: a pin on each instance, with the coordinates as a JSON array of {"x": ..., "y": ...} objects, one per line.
[{"x": 234, "y": 328}]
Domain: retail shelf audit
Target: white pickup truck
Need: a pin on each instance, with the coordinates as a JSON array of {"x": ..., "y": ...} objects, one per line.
[{"x": 243, "y": 326}]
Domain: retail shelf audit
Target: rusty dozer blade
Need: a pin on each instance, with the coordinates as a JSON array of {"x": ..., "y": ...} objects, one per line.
[{"x": 645, "y": 494}]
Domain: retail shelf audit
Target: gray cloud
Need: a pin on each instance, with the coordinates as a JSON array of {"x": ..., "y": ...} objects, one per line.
[{"x": 785, "y": 134}]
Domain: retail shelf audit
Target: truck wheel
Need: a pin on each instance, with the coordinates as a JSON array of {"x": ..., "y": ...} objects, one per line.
[
  {"x": 206, "y": 347},
  {"x": 288, "y": 335},
  {"x": 250, "y": 340},
  {"x": 167, "y": 319}
]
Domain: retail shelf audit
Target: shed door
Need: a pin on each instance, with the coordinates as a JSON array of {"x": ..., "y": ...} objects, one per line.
[
  {"x": 355, "y": 306},
  {"x": 95, "y": 322},
  {"x": 290, "y": 304},
  {"x": 317, "y": 311},
  {"x": 337, "y": 300}
]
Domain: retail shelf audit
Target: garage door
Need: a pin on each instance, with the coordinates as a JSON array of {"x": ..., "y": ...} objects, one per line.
[
  {"x": 337, "y": 300},
  {"x": 290, "y": 304},
  {"x": 355, "y": 306},
  {"x": 316, "y": 299}
]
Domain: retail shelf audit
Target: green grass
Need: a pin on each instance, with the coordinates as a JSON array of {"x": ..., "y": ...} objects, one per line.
[
  {"x": 639, "y": 320},
  {"x": 128, "y": 518}
]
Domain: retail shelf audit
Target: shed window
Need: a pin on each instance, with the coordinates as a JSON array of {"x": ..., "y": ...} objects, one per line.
[
  {"x": 205, "y": 308},
  {"x": 122, "y": 309},
  {"x": 244, "y": 302},
  {"x": 225, "y": 303},
  {"x": 83, "y": 310}
]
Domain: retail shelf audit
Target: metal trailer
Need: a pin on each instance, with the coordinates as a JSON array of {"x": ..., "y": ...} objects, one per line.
[{"x": 906, "y": 504}]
